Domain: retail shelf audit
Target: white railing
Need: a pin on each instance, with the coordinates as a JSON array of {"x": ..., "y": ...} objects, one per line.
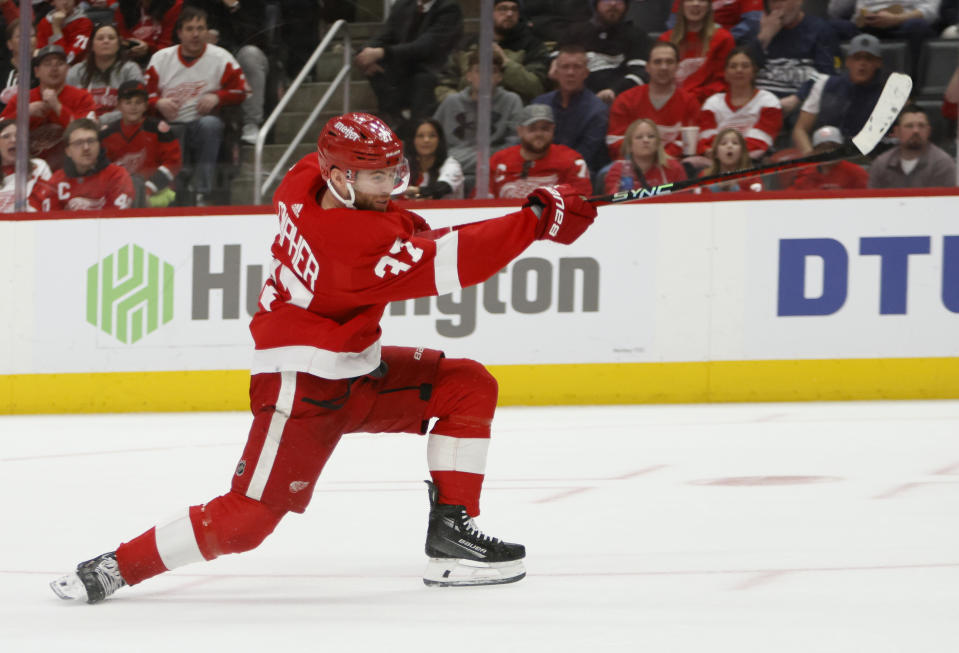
[{"x": 260, "y": 188}]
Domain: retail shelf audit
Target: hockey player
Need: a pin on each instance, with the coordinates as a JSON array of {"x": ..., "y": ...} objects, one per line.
[
  {"x": 343, "y": 251},
  {"x": 537, "y": 161},
  {"x": 87, "y": 181},
  {"x": 144, "y": 146}
]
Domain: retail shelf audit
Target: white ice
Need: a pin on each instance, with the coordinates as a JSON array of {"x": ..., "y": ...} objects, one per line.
[{"x": 805, "y": 527}]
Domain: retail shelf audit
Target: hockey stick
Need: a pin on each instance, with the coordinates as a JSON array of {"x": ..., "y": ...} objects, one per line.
[{"x": 891, "y": 101}]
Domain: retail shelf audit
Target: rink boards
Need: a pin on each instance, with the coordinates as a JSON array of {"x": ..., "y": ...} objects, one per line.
[{"x": 770, "y": 299}]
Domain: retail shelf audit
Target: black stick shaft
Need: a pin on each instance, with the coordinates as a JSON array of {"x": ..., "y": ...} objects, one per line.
[{"x": 844, "y": 152}]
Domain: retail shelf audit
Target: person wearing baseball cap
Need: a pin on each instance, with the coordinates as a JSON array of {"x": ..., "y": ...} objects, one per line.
[
  {"x": 54, "y": 104},
  {"x": 829, "y": 176},
  {"x": 844, "y": 100},
  {"x": 536, "y": 160},
  {"x": 145, "y": 146}
]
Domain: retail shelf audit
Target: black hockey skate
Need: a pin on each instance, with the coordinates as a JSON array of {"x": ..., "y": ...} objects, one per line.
[
  {"x": 461, "y": 554},
  {"x": 93, "y": 581}
]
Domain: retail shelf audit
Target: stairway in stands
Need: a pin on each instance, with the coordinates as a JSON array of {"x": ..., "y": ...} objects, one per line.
[{"x": 369, "y": 16}]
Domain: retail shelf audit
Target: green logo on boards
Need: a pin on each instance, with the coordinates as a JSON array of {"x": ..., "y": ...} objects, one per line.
[{"x": 130, "y": 294}]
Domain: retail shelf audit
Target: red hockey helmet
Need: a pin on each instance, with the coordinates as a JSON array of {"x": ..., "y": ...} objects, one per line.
[{"x": 357, "y": 141}]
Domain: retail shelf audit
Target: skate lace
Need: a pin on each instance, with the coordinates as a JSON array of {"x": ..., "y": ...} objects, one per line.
[
  {"x": 108, "y": 575},
  {"x": 473, "y": 529}
]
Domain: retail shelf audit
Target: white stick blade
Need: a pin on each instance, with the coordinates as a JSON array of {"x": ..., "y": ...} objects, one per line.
[{"x": 893, "y": 98}]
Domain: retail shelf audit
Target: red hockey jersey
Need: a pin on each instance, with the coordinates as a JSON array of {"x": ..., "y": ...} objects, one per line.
[
  {"x": 840, "y": 175},
  {"x": 622, "y": 175},
  {"x": 169, "y": 75},
  {"x": 702, "y": 75},
  {"x": 156, "y": 34},
  {"x": 334, "y": 271},
  {"x": 513, "y": 176},
  {"x": 147, "y": 148},
  {"x": 46, "y": 131},
  {"x": 74, "y": 35},
  {"x": 681, "y": 110},
  {"x": 759, "y": 121},
  {"x": 729, "y": 12},
  {"x": 108, "y": 187}
]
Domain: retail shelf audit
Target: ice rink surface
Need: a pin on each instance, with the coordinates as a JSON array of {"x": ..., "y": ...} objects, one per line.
[{"x": 808, "y": 527}]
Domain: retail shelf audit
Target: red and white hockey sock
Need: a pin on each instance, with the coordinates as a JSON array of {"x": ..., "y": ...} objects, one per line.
[{"x": 231, "y": 523}]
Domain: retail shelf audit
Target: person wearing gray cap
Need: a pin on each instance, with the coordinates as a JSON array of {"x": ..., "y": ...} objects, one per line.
[
  {"x": 844, "y": 100},
  {"x": 907, "y": 20},
  {"x": 537, "y": 160},
  {"x": 835, "y": 175},
  {"x": 53, "y": 105}
]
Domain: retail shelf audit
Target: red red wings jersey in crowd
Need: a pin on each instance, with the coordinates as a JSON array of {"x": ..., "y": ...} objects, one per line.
[
  {"x": 108, "y": 187},
  {"x": 46, "y": 131},
  {"x": 834, "y": 176},
  {"x": 157, "y": 35},
  {"x": 169, "y": 75},
  {"x": 334, "y": 271},
  {"x": 681, "y": 110},
  {"x": 729, "y": 12},
  {"x": 699, "y": 74},
  {"x": 147, "y": 148},
  {"x": 74, "y": 35},
  {"x": 513, "y": 176}
]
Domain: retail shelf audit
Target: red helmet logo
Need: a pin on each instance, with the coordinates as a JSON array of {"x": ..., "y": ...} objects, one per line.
[{"x": 357, "y": 141}]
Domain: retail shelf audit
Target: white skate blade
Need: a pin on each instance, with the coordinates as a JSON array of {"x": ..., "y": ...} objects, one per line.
[
  {"x": 69, "y": 588},
  {"x": 453, "y": 572}
]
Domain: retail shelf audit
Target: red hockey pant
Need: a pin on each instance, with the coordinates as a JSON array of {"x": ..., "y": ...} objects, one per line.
[{"x": 298, "y": 421}]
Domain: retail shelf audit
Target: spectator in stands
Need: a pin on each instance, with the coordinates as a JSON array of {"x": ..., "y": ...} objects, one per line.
[
  {"x": 525, "y": 57},
  {"x": 39, "y": 170},
  {"x": 616, "y": 49},
  {"x": 239, "y": 28},
  {"x": 728, "y": 153},
  {"x": 703, "y": 48},
  {"x": 915, "y": 162},
  {"x": 68, "y": 27},
  {"x": 844, "y": 100},
  {"x": 668, "y": 106},
  {"x": 740, "y": 17},
  {"x": 88, "y": 181},
  {"x": 147, "y": 26},
  {"x": 9, "y": 75},
  {"x": 144, "y": 146},
  {"x": 53, "y": 105},
  {"x": 581, "y": 118},
  {"x": 949, "y": 19},
  {"x": 404, "y": 60},
  {"x": 537, "y": 160},
  {"x": 830, "y": 176},
  {"x": 457, "y": 115},
  {"x": 908, "y": 20},
  {"x": 950, "y": 100},
  {"x": 793, "y": 50},
  {"x": 104, "y": 67},
  {"x": 9, "y": 12},
  {"x": 550, "y": 20},
  {"x": 644, "y": 162},
  {"x": 188, "y": 96},
  {"x": 753, "y": 112},
  {"x": 434, "y": 175}
]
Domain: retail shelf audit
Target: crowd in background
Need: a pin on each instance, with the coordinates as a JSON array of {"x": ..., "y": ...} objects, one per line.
[{"x": 146, "y": 103}]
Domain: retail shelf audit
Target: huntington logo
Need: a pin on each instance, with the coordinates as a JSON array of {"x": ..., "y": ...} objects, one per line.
[{"x": 130, "y": 294}]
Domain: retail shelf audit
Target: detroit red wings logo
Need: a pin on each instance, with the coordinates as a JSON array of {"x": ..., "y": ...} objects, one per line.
[
  {"x": 132, "y": 161},
  {"x": 184, "y": 92},
  {"x": 85, "y": 204}
]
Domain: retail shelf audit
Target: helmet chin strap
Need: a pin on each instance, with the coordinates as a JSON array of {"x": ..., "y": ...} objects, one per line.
[{"x": 347, "y": 202}]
